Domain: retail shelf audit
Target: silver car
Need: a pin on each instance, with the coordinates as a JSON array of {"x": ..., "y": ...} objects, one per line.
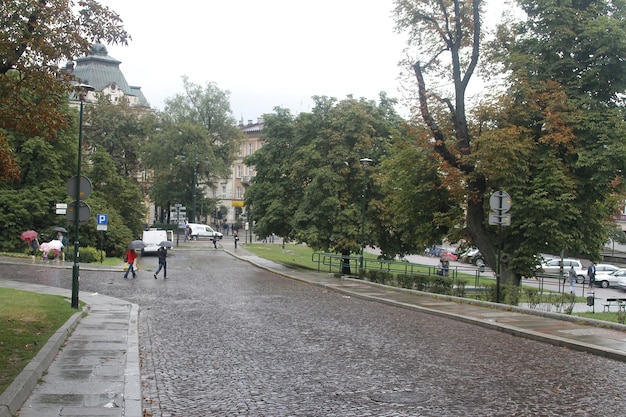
[
  {"x": 553, "y": 266},
  {"x": 607, "y": 279}
]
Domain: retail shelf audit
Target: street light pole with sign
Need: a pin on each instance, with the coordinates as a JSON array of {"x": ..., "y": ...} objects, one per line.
[
  {"x": 78, "y": 195},
  {"x": 500, "y": 203},
  {"x": 366, "y": 162}
]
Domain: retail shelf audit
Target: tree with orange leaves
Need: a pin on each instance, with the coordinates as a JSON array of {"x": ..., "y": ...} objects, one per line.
[
  {"x": 554, "y": 139},
  {"x": 37, "y": 36}
]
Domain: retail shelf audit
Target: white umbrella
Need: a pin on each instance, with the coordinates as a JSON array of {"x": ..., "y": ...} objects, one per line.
[{"x": 55, "y": 244}]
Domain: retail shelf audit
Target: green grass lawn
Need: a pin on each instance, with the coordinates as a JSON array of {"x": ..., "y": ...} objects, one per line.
[
  {"x": 296, "y": 256},
  {"x": 27, "y": 320}
]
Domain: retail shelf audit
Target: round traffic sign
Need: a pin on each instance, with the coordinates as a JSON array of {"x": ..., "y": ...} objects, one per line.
[
  {"x": 83, "y": 212},
  {"x": 500, "y": 201},
  {"x": 85, "y": 187}
]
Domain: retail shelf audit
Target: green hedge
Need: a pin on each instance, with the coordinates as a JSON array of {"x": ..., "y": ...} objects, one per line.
[
  {"x": 509, "y": 294},
  {"x": 88, "y": 254}
]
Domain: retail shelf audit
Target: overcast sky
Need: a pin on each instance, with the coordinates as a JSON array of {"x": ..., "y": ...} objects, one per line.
[{"x": 266, "y": 53}]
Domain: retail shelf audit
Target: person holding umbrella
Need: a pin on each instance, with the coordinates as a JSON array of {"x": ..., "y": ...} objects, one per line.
[
  {"x": 162, "y": 254},
  {"x": 130, "y": 256},
  {"x": 30, "y": 236},
  {"x": 61, "y": 237}
]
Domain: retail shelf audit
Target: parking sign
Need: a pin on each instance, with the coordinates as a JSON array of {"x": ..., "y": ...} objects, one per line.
[{"x": 102, "y": 221}]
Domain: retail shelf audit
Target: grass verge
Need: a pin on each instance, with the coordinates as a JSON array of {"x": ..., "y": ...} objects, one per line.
[{"x": 27, "y": 321}]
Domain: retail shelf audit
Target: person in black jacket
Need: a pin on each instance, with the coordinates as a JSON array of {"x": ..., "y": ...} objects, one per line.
[
  {"x": 162, "y": 254},
  {"x": 591, "y": 274}
]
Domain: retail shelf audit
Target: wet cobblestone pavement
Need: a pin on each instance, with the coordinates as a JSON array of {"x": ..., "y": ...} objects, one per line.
[{"x": 220, "y": 337}]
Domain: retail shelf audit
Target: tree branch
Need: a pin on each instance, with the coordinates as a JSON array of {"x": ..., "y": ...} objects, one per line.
[
  {"x": 28, "y": 33},
  {"x": 438, "y": 135}
]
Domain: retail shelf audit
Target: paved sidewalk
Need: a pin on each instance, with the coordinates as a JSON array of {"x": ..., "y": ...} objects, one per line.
[
  {"x": 90, "y": 367},
  {"x": 97, "y": 372}
]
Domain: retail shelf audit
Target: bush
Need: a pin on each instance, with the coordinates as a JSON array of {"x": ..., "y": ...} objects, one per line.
[
  {"x": 441, "y": 285},
  {"x": 380, "y": 277},
  {"x": 405, "y": 281},
  {"x": 458, "y": 289},
  {"x": 88, "y": 254},
  {"x": 533, "y": 296},
  {"x": 509, "y": 294}
]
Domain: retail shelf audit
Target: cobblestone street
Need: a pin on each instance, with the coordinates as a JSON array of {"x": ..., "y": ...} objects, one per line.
[{"x": 221, "y": 337}]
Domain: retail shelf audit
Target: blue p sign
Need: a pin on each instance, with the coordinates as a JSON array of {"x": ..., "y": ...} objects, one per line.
[{"x": 102, "y": 218}]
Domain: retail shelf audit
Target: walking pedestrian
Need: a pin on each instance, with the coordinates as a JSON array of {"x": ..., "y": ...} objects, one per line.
[
  {"x": 571, "y": 276},
  {"x": 131, "y": 257},
  {"x": 162, "y": 254},
  {"x": 591, "y": 274},
  {"x": 236, "y": 237},
  {"x": 33, "y": 246},
  {"x": 63, "y": 239}
]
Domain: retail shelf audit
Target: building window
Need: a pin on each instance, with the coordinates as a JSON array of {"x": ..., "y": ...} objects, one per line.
[
  {"x": 239, "y": 193},
  {"x": 223, "y": 191},
  {"x": 239, "y": 173},
  {"x": 250, "y": 148},
  {"x": 240, "y": 149}
]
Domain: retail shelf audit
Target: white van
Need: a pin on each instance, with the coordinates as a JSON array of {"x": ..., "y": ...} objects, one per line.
[
  {"x": 151, "y": 238},
  {"x": 202, "y": 230}
]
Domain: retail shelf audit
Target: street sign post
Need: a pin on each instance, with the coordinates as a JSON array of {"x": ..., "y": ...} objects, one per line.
[
  {"x": 61, "y": 208},
  {"x": 500, "y": 203},
  {"x": 102, "y": 222},
  {"x": 178, "y": 216}
]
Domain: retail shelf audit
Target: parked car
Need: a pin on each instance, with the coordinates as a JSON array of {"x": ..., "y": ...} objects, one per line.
[
  {"x": 608, "y": 277},
  {"x": 472, "y": 256},
  {"x": 553, "y": 266},
  {"x": 202, "y": 230},
  {"x": 152, "y": 238},
  {"x": 622, "y": 283}
]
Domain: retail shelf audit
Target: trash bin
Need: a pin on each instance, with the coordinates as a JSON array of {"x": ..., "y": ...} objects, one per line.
[
  {"x": 590, "y": 299},
  {"x": 345, "y": 265}
]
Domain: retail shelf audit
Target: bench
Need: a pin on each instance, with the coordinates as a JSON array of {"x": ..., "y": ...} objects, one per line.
[{"x": 620, "y": 303}]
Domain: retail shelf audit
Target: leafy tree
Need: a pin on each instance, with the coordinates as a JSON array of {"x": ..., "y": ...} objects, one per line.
[
  {"x": 544, "y": 141},
  {"x": 115, "y": 128},
  {"x": 273, "y": 194},
  {"x": 28, "y": 201},
  {"x": 564, "y": 109},
  {"x": 419, "y": 205},
  {"x": 37, "y": 35},
  {"x": 195, "y": 137},
  {"x": 310, "y": 182},
  {"x": 118, "y": 192}
]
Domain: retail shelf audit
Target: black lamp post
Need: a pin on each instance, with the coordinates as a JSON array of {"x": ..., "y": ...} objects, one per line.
[
  {"x": 82, "y": 93},
  {"x": 195, "y": 180},
  {"x": 366, "y": 162}
]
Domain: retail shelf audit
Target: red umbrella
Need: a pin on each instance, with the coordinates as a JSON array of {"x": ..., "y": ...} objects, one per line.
[
  {"x": 29, "y": 235},
  {"x": 448, "y": 257}
]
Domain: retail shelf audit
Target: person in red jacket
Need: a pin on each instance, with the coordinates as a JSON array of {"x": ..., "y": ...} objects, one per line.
[{"x": 131, "y": 256}]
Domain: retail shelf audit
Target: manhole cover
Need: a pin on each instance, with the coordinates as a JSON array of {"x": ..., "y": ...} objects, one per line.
[{"x": 400, "y": 397}]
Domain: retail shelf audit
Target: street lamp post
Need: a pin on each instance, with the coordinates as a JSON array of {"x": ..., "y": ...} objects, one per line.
[
  {"x": 76, "y": 267},
  {"x": 195, "y": 180},
  {"x": 366, "y": 162}
]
